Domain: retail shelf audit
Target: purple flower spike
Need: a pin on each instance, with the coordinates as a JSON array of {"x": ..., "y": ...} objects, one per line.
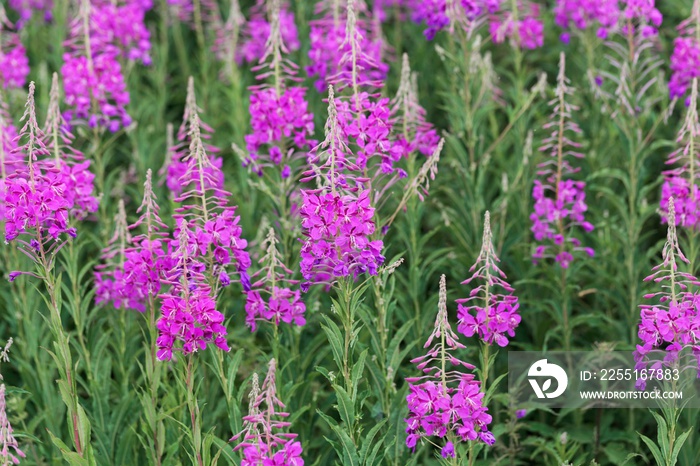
[
  {"x": 189, "y": 318},
  {"x": 560, "y": 203},
  {"x": 496, "y": 319},
  {"x": 281, "y": 121},
  {"x": 445, "y": 404},
  {"x": 680, "y": 183},
  {"x": 267, "y": 298},
  {"x": 261, "y": 440},
  {"x": 672, "y": 322},
  {"x": 335, "y": 39},
  {"x": 37, "y": 201},
  {"x": 337, "y": 218}
]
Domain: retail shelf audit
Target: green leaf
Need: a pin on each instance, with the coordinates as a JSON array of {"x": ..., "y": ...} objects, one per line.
[
  {"x": 678, "y": 445},
  {"x": 357, "y": 371},
  {"x": 335, "y": 339},
  {"x": 367, "y": 442},
  {"x": 662, "y": 432},
  {"x": 653, "y": 448},
  {"x": 346, "y": 406},
  {"x": 350, "y": 456}
]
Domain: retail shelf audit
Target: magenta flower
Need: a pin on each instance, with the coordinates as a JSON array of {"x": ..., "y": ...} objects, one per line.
[
  {"x": 337, "y": 218},
  {"x": 497, "y": 316},
  {"x": 75, "y": 170},
  {"x": 523, "y": 28},
  {"x": 93, "y": 80},
  {"x": 36, "y": 207},
  {"x": 267, "y": 298},
  {"x": 189, "y": 318},
  {"x": 685, "y": 60},
  {"x": 26, "y": 8},
  {"x": 441, "y": 14},
  {"x": 256, "y": 32},
  {"x": 10, "y": 160},
  {"x": 449, "y": 404},
  {"x": 146, "y": 262},
  {"x": 120, "y": 30},
  {"x": 604, "y": 14},
  {"x": 100, "y": 81},
  {"x": 261, "y": 440},
  {"x": 673, "y": 322},
  {"x": 339, "y": 41},
  {"x": 14, "y": 64},
  {"x": 176, "y": 165},
  {"x": 214, "y": 232},
  {"x": 680, "y": 183},
  {"x": 280, "y": 119},
  {"x": 110, "y": 283},
  {"x": 560, "y": 203}
]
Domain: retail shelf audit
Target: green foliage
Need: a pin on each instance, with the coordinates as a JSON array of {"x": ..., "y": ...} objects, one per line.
[{"x": 84, "y": 372}]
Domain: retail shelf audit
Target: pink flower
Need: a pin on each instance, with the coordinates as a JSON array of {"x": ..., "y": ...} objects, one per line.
[
  {"x": 439, "y": 402},
  {"x": 261, "y": 440},
  {"x": 498, "y": 315}
]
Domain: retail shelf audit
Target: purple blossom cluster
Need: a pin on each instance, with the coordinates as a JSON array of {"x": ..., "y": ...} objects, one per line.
[
  {"x": 176, "y": 164},
  {"x": 46, "y": 190},
  {"x": 209, "y": 241},
  {"x": 14, "y": 63},
  {"x": 119, "y": 29},
  {"x": 10, "y": 160},
  {"x": 441, "y": 14},
  {"x": 278, "y": 121},
  {"x": 496, "y": 317},
  {"x": 26, "y": 8},
  {"x": 673, "y": 323},
  {"x": 338, "y": 230},
  {"x": 188, "y": 311},
  {"x": 523, "y": 28},
  {"x": 560, "y": 203},
  {"x": 345, "y": 51},
  {"x": 270, "y": 297},
  {"x": 261, "y": 441},
  {"x": 110, "y": 282},
  {"x": 256, "y": 32},
  {"x": 643, "y": 12},
  {"x": 680, "y": 182},
  {"x": 584, "y": 13},
  {"x": 279, "y": 116},
  {"x": 685, "y": 59},
  {"x": 100, "y": 35},
  {"x": 185, "y": 272},
  {"x": 443, "y": 403}
]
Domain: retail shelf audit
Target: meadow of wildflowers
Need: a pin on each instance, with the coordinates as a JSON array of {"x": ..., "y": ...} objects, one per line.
[{"x": 291, "y": 232}]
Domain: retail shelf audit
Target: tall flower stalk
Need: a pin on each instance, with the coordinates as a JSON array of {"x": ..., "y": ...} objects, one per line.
[
  {"x": 669, "y": 325},
  {"x": 560, "y": 201},
  {"x": 445, "y": 402},
  {"x": 681, "y": 182},
  {"x": 37, "y": 223},
  {"x": 496, "y": 314},
  {"x": 261, "y": 439}
]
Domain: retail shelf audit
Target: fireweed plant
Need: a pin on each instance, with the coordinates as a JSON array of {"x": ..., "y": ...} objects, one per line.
[
  {"x": 669, "y": 326},
  {"x": 284, "y": 229}
]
